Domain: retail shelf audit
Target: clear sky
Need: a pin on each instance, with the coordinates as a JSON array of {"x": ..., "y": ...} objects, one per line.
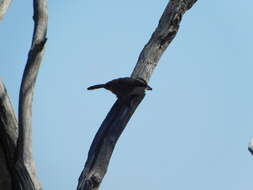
[{"x": 191, "y": 132}]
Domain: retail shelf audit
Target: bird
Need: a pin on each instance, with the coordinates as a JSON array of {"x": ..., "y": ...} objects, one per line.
[{"x": 124, "y": 87}]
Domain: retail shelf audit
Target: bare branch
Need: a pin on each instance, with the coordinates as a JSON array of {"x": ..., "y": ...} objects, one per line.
[
  {"x": 4, "y": 5},
  {"x": 8, "y": 119},
  {"x": 164, "y": 33},
  {"x": 27, "y": 86},
  {"x": 13, "y": 174},
  {"x": 104, "y": 142},
  {"x": 116, "y": 120},
  {"x": 5, "y": 177},
  {"x": 8, "y": 139}
]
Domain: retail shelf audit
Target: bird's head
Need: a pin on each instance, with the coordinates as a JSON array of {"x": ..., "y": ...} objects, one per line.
[{"x": 145, "y": 83}]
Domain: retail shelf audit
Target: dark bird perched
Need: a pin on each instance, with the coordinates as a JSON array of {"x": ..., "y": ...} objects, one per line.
[{"x": 124, "y": 87}]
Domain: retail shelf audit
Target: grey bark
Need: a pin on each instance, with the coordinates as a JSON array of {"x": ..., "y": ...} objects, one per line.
[
  {"x": 5, "y": 177},
  {"x": 13, "y": 175},
  {"x": 103, "y": 144},
  {"x": 162, "y": 36},
  {"x": 16, "y": 139},
  {"x": 7, "y": 115},
  {"x": 8, "y": 139},
  {"x": 106, "y": 138},
  {"x": 4, "y": 5},
  {"x": 27, "y": 87}
]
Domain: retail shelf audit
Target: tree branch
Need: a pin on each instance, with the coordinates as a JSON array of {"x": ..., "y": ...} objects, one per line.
[
  {"x": 163, "y": 35},
  {"x": 13, "y": 174},
  {"x": 8, "y": 119},
  {"x": 4, "y": 5},
  {"x": 121, "y": 112},
  {"x": 8, "y": 139},
  {"x": 27, "y": 86},
  {"x": 104, "y": 142},
  {"x": 5, "y": 176}
]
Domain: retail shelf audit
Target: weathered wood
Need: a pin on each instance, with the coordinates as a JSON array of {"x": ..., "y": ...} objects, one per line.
[
  {"x": 16, "y": 139},
  {"x": 5, "y": 177},
  {"x": 27, "y": 87},
  {"x": 7, "y": 115},
  {"x": 103, "y": 144},
  {"x": 13, "y": 174},
  {"x": 8, "y": 139},
  {"x": 163, "y": 35},
  {"x": 4, "y": 5},
  {"x": 116, "y": 120}
]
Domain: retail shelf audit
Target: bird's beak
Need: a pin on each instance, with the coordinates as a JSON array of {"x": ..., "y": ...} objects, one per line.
[{"x": 148, "y": 87}]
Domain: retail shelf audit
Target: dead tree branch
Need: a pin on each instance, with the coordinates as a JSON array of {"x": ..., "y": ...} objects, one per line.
[
  {"x": 164, "y": 34},
  {"x": 8, "y": 119},
  {"x": 106, "y": 138},
  {"x": 4, "y": 5},
  {"x": 27, "y": 86},
  {"x": 104, "y": 142},
  {"x": 13, "y": 174},
  {"x": 8, "y": 139}
]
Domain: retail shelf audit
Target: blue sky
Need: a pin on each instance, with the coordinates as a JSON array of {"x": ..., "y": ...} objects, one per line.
[{"x": 191, "y": 132}]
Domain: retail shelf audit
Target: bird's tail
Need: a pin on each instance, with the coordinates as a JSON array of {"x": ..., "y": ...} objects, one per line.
[{"x": 96, "y": 87}]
